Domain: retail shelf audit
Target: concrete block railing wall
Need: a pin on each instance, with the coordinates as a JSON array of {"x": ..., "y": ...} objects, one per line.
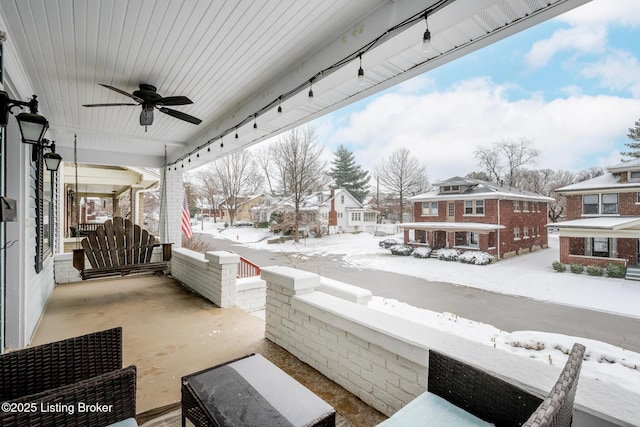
[
  {"x": 213, "y": 275},
  {"x": 382, "y": 358}
]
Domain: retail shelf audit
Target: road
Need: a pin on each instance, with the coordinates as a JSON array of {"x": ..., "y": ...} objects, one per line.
[{"x": 506, "y": 312}]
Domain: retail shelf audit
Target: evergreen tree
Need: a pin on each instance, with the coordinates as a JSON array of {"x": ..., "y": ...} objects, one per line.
[
  {"x": 347, "y": 174},
  {"x": 634, "y": 135}
]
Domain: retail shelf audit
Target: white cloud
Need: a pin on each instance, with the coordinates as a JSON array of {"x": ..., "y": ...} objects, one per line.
[
  {"x": 619, "y": 70},
  {"x": 584, "y": 39},
  {"x": 443, "y": 128},
  {"x": 613, "y": 12}
]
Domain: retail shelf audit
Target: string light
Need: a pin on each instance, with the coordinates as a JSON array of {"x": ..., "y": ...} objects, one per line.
[
  {"x": 426, "y": 39},
  {"x": 426, "y": 45},
  {"x": 360, "y": 72}
]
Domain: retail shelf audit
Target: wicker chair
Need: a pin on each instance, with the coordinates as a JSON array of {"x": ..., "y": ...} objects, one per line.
[
  {"x": 114, "y": 392},
  {"x": 35, "y": 369},
  {"x": 499, "y": 402},
  {"x": 80, "y": 370}
]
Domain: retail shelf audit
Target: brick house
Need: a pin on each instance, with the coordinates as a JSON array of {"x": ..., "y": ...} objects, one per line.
[
  {"x": 603, "y": 218},
  {"x": 470, "y": 214}
]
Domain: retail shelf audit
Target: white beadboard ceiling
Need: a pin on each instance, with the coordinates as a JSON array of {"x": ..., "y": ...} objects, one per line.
[{"x": 232, "y": 58}]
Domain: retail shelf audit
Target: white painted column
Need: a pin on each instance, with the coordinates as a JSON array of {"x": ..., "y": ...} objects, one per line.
[{"x": 170, "y": 227}]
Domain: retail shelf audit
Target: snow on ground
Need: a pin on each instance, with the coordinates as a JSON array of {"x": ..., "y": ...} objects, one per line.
[{"x": 527, "y": 275}]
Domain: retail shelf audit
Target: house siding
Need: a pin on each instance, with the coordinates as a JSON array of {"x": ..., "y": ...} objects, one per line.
[
  {"x": 496, "y": 211},
  {"x": 627, "y": 249}
]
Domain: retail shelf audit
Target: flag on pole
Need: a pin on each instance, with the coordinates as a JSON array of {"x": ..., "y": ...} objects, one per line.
[{"x": 186, "y": 218}]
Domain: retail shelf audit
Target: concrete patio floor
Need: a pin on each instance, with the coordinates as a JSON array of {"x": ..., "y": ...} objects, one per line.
[{"x": 169, "y": 332}]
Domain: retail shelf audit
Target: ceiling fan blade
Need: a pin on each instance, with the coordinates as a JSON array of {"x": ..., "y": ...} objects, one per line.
[
  {"x": 173, "y": 100},
  {"x": 120, "y": 91},
  {"x": 107, "y": 105},
  {"x": 180, "y": 115}
]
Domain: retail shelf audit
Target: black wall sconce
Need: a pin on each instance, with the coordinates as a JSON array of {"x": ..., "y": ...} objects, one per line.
[
  {"x": 32, "y": 125},
  {"x": 32, "y": 128}
]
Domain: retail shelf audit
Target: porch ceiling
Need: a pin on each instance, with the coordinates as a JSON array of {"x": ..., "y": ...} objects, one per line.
[{"x": 232, "y": 58}]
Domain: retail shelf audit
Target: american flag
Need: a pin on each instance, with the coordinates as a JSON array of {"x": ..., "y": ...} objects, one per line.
[{"x": 186, "y": 218}]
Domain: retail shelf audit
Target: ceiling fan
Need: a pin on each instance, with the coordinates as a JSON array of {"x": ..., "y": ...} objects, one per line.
[{"x": 149, "y": 99}]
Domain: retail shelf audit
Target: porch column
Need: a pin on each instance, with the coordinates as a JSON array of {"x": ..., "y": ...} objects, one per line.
[{"x": 170, "y": 227}]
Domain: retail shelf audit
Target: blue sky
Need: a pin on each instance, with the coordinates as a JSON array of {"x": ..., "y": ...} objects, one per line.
[{"x": 571, "y": 85}]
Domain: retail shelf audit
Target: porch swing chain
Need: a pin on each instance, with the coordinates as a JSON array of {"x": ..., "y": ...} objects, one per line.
[{"x": 75, "y": 197}]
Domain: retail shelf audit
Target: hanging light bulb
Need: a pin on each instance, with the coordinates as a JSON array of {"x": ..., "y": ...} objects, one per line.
[
  {"x": 221, "y": 143},
  {"x": 237, "y": 132},
  {"x": 311, "y": 90},
  {"x": 198, "y": 153},
  {"x": 279, "y": 105},
  {"x": 361, "y": 80},
  {"x": 255, "y": 123},
  {"x": 426, "y": 39},
  {"x": 208, "y": 149}
]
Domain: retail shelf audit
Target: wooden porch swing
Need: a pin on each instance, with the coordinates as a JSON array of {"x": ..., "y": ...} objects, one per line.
[{"x": 117, "y": 248}]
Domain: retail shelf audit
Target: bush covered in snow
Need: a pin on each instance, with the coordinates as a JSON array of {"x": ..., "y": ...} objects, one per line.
[
  {"x": 558, "y": 266},
  {"x": 594, "y": 270},
  {"x": 475, "y": 257},
  {"x": 448, "y": 254},
  {"x": 617, "y": 271},
  {"x": 576, "y": 268},
  {"x": 401, "y": 250},
  {"x": 422, "y": 252}
]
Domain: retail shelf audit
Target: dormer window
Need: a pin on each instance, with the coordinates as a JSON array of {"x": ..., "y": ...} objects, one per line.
[{"x": 450, "y": 189}]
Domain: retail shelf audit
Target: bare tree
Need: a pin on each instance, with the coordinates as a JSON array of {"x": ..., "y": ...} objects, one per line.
[
  {"x": 503, "y": 159},
  {"x": 489, "y": 158},
  {"x": 298, "y": 166},
  {"x": 592, "y": 172},
  {"x": 209, "y": 188},
  {"x": 234, "y": 176},
  {"x": 403, "y": 175},
  {"x": 545, "y": 182}
]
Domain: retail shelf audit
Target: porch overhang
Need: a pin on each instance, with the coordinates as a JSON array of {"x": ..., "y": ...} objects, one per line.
[
  {"x": 238, "y": 62},
  {"x": 611, "y": 227},
  {"x": 475, "y": 227}
]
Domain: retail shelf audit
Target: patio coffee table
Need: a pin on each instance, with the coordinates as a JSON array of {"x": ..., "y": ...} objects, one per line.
[{"x": 251, "y": 392}]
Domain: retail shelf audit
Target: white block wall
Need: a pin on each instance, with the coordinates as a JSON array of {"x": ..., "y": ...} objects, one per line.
[
  {"x": 383, "y": 359},
  {"x": 251, "y": 293}
]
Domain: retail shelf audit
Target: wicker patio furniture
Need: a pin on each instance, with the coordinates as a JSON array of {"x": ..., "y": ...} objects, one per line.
[
  {"x": 54, "y": 384},
  {"x": 35, "y": 369},
  {"x": 251, "y": 392},
  {"x": 488, "y": 397},
  {"x": 98, "y": 401}
]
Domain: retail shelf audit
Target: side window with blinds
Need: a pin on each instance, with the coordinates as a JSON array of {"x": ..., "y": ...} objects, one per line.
[{"x": 42, "y": 206}]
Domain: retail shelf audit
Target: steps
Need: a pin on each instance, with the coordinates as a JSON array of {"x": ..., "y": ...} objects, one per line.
[{"x": 633, "y": 273}]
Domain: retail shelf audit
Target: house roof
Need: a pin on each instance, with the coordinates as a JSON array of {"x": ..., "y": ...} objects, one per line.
[
  {"x": 599, "y": 223},
  {"x": 238, "y": 61},
  {"x": 479, "y": 189},
  {"x": 602, "y": 182}
]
